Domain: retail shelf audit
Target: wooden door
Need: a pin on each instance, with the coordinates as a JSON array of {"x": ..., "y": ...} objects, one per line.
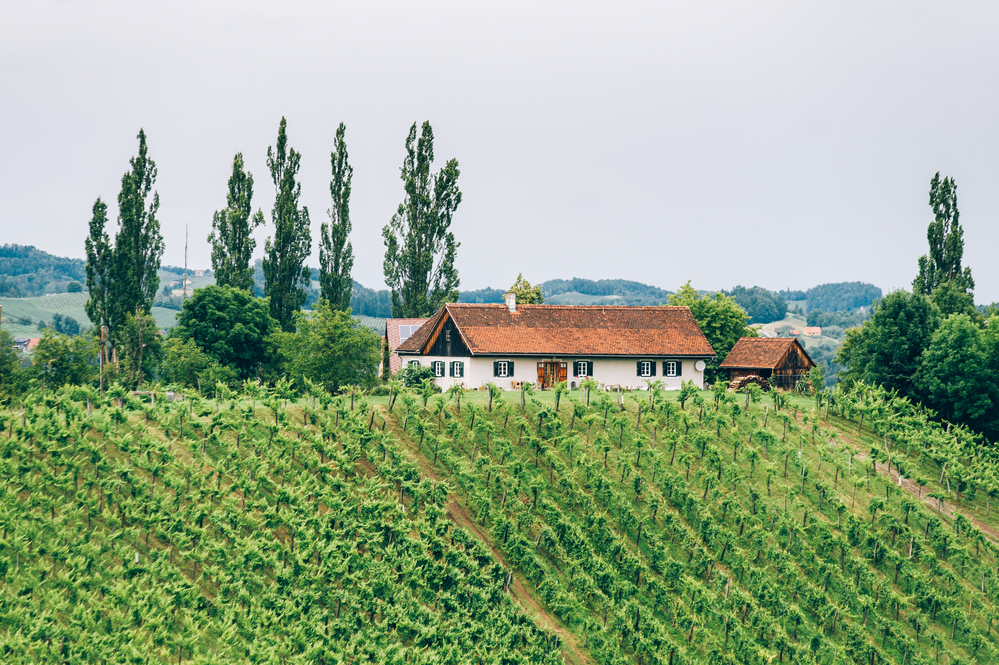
[{"x": 541, "y": 376}]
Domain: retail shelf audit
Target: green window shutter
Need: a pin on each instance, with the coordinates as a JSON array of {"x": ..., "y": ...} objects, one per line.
[
  {"x": 589, "y": 368},
  {"x": 461, "y": 370},
  {"x": 639, "y": 368},
  {"x": 495, "y": 368},
  {"x": 652, "y": 368},
  {"x": 575, "y": 368},
  {"x": 679, "y": 368},
  {"x": 509, "y": 369}
]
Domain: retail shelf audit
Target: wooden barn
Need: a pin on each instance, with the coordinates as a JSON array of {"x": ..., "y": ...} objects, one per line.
[{"x": 780, "y": 360}]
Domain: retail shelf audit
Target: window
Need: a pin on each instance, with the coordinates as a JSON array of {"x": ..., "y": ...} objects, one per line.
[
  {"x": 503, "y": 369},
  {"x": 438, "y": 368},
  {"x": 406, "y": 331},
  {"x": 582, "y": 368},
  {"x": 447, "y": 335},
  {"x": 672, "y": 368},
  {"x": 646, "y": 368},
  {"x": 414, "y": 363},
  {"x": 457, "y": 369}
]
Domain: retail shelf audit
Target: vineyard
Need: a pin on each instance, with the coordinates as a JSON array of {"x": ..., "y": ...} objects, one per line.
[{"x": 490, "y": 527}]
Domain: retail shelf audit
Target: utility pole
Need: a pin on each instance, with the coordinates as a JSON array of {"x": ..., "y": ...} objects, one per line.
[{"x": 183, "y": 298}]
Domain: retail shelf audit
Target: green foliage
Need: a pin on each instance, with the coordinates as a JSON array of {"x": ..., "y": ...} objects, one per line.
[
  {"x": 331, "y": 349},
  {"x": 626, "y": 292},
  {"x": 140, "y": 347},
  {"x": 210, "y": 535},
  {"x": 956, "y": 377},
  {"x": 184, "y": 364},
  {"x": 720, "y": 318},
  {"x": 413, "y": 376},
  {"x": 946, "y": 239},
  {"x": 66, "y": 325},
  {"x": 232, "y": 228},
  {"x": 336, "y": 255},
  {"x": 419, "y": 245},
  {"x": 60, "y": 360},
  {"x": 761, "y": 305},
  {"x": 840, "y": 296},
  {"x": 885, "y": 351},
  {"x": 527, "y": 294},
  {"x": 12, "y": 378},
  {"x": 230, "y": 326},
  {"x": 26, "y": 271},
  {"x": 122, "y": 279},
  {"x": 951, "y": 298},
  {"x": 285, "y": 274}
]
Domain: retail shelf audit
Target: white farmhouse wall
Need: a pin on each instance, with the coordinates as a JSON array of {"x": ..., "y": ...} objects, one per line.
[{"x": 606, "y": 371}]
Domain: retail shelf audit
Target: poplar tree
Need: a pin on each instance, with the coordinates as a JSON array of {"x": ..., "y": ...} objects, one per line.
[
  {"x": 336, "y": 255},
  {"x": 231, "y": 239},
  {"x": 98, "y": 268},
  {"x": 419, "y": 247},
  {"x": 946, "y": 240},
  {"x": 123, "y": 279},
  {"x": 285, "y": 274}
]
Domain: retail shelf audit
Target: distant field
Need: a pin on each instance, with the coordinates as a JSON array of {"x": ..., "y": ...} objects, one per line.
[
  {"x": 16, "y": 310},
  {"x": 373, "y": 322}
]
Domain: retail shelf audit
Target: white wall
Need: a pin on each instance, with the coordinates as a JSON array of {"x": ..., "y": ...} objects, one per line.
[{"x": 479, "y": 371}]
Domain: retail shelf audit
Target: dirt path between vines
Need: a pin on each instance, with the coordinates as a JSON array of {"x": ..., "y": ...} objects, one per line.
[
  {"x": 572, "y": 650},
  {"x": 937, "y": 506}
]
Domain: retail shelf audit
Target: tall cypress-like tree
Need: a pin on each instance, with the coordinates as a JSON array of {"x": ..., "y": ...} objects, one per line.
[
  {"x": 419, "y": 247},
  {"x": 946, "y": 239},
  {"x": 285, "y": 274},
  {"x": 99, "y": 260},
  {"x": 123, "y": 279},
  {"x": 231, "y": 239},
  {"x": 336, "y": 256}
]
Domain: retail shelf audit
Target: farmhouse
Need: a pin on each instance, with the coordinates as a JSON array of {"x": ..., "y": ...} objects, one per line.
[
  {"x": 398, "y": 331},
  {"x": 474, "y": 344},
  {"x": 781, "y": 360}
]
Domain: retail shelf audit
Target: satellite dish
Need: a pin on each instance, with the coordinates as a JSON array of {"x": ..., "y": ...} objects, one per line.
[{"x": 699, "y": 365}]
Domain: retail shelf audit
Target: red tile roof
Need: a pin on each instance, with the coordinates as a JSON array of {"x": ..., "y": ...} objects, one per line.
[
  {"x": 571, "y": 330},
  {"x": 758, "y": 352}
]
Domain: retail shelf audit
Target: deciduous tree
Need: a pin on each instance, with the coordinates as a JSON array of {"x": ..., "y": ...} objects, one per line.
[
  {"x": 946, "y": 240},
  {"x": 285, "y": 274},
  {"x": 721, "y": 319},
  {"x": 526, "y": 293},
  {"x": 419, "y": 246},
  {"x": 336, "y": 255},
  {"x": 229, "y": 325},
  {"x": 232, "y": 228}
]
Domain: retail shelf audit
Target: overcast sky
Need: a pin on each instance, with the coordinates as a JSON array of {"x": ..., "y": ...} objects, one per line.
[{"x": 784, "y": 144}]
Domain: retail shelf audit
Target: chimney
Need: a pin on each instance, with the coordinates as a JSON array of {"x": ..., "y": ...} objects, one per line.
[{"x": 511, "y": 301}]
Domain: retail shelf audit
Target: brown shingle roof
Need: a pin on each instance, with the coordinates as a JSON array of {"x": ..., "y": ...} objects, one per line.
[
  {"x": 547, "y": 330},
  {"x": 758, "y": 352}
]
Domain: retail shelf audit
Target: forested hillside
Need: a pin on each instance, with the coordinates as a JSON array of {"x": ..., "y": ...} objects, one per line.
[
  {"x": 678, "y": 528},
  {"x": 26, "y": 271}
]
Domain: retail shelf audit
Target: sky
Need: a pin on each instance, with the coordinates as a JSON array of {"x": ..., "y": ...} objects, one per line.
[{"x": 779, "y": 144}]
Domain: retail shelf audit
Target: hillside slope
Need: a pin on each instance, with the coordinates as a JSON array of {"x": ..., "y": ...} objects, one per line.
[{"x": 326, "y": 530}]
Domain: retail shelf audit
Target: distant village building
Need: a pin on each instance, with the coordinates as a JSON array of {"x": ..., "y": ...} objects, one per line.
[
  {"x": 813, "y": 331},
  {"x": 26, "y": 344},
  {"x": 780, "y": 360},
  {"x": 626, "y": 347}
]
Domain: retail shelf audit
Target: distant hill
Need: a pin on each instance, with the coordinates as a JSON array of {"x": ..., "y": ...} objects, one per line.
[
  {"x": 26, "y": 271},
  {"x": 834, "y": 297}
]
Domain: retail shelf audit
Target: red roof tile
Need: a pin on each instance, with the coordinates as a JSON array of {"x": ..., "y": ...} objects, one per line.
[
  {"x": 547, "y": 330},
  {"x": 758, "y": 352}
]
